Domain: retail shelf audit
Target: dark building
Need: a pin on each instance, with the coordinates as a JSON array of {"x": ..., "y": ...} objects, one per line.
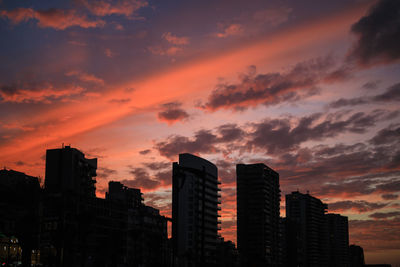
[
  {"x": 69, "y": 208},
  {"x": 283, "y": 259},
  {"x": 258, "y": 198},
  {"x": 79, "y": 229},
  {"x": 227, "y": 254},
  {"x": 68, "y": 171},
  {"x": 338, "y": 240},
  {"x": 356, "y": 256},
  {"x": 195, "y": 211},
  {"x": 308, "y": 230},
  {"x": 145, "y": 231},
  {"x": 19, "y": 216}
]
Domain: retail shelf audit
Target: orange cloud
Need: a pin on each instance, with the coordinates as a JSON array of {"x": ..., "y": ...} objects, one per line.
[
  {"x": 44, "y": 94},
  {"x": 58, "y": 19},
  {"x": 18, "y": 15}
]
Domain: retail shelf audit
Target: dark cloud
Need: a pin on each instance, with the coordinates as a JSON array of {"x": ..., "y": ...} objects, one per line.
[
  {"x": 370, "y": 85},
  {"x": 390, "y": 95},
  {"x": 389, "y": 196},
  {"x": 272, "y": 136},
  {"x": 153, "y": 176},
  {"x": 145, "y": 152},
  {"x": 164, "y": 176},
  {"x": 172, "y": 112},
  {"x": 387, "y": 136},
  {"x": 157, "y": 165},
  {"x": 19, "y": 163},
  {"x": 381, "y": 215},
  {"x": 141, "y": 179},
  {"x": 272, "y": 88},
  {"x": 378, "y": 35},
  {"x": 230, "y": 132},
  {"x": 105, "y": 173},
  {"x": 120, "y": 100},
  {"x": 279, "y": 135},
  {"x": 204, "y": 141},
  {"x": 338, "y": 149},
  {"x": 357, "y": 205},
  {"x": 342, "y": 102}
]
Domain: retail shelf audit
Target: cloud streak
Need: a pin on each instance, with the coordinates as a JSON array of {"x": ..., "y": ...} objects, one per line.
[{"x": 58, "y": 19}]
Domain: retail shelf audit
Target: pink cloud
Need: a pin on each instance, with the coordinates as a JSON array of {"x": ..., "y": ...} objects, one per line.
[
  {"x": 231, "y": 30},
  {"x": 120, "y": 7},
  {"x": 85, "y": 77},
  {"x": 109, "y": 53},
  {"x": 169, "y": 51},
  {"x": 175, "y": 40}
]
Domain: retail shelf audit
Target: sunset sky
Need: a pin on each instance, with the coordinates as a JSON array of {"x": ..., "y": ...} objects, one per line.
[{"x": 310, "y": 88}]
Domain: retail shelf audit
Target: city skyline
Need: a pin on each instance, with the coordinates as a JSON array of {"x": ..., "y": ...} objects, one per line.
[{"x": 310, "y": 89}]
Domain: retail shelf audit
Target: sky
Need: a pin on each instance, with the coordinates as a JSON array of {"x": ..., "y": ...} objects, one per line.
[{"x": 310, "y": 88}]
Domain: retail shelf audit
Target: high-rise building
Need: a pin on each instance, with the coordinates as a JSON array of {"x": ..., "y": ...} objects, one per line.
[
  {"x": 195, "y": 211},
  {"x": 338, "y": 238},
  {"x": 307, "y": 217},
  {"x": 258, "y": 198},
  {"x": 67, "y": 170}
]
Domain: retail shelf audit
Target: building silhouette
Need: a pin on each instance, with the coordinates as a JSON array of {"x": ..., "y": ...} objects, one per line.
[
  {"x": 19, "y": 217},
  {"x": 227, "y": 254},
  {"x": 195, "y": 205},
  {"x": 308, "y": 233},
  {"x": 258, "y": 198},
  {"x": 79, "y": 229},
  {"x": 356, "y": 256},
  {"x": 338, "y": 240},
  {"x": 68, "y": 171}
]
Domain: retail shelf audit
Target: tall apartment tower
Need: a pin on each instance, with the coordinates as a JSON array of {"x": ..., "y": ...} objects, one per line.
[
  {"x": 307, "y": 216},
  {"x": 338, "y": 238},
  {"x": 195, "y": 211},
  {"x": 67, "y": 170},
  {"x": 258, "y": 200}
]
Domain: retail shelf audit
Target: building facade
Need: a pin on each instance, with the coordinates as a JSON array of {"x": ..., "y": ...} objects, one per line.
[
  {"x": 195, "y": 205},
  {"x": 338, "y": 240},
  {"x": 258, "y": 200},
  {"x": 308, "y": 230}
]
